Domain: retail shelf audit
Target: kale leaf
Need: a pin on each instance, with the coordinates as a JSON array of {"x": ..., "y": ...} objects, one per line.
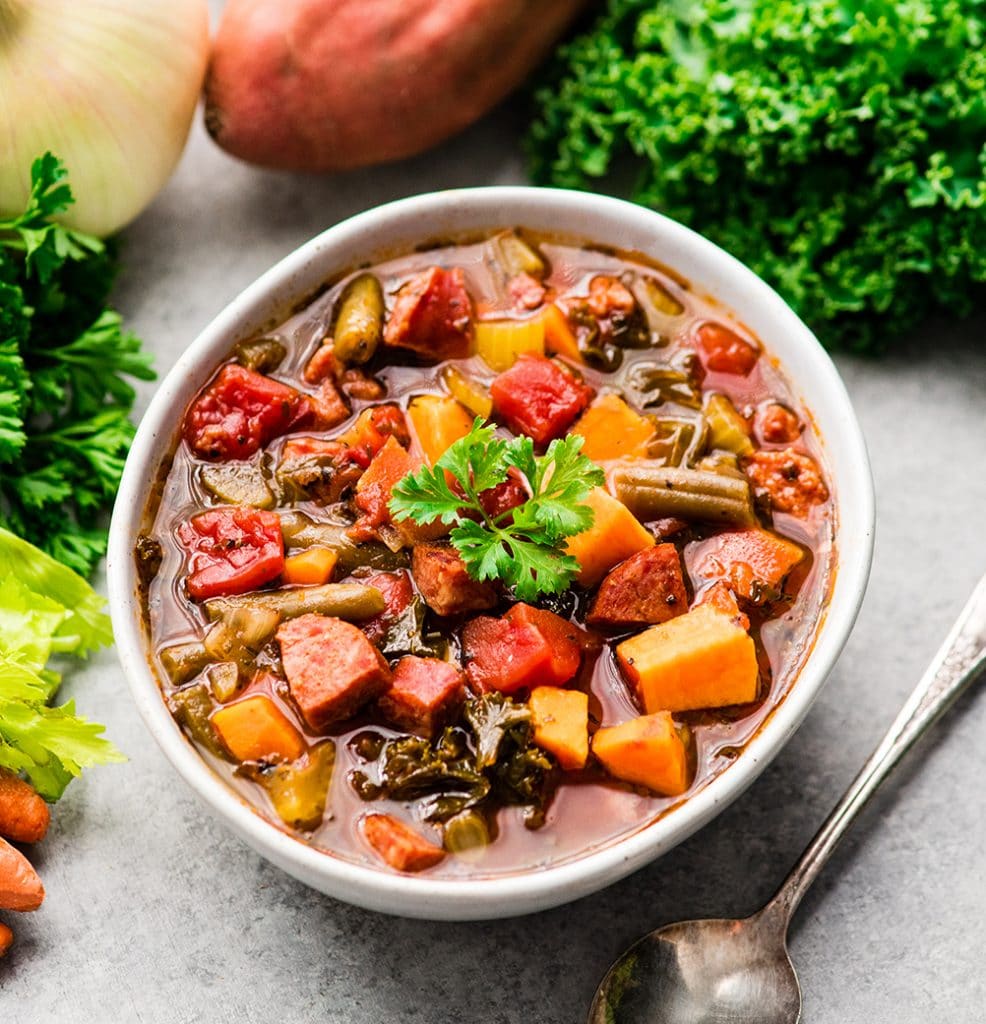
[{"x": 838, "y": 148}]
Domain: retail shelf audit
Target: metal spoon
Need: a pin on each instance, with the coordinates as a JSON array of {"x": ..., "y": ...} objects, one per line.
[{"x": 739, "y": 971}]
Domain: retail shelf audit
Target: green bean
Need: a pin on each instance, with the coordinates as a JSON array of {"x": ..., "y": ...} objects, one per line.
[
  {"x": 299, "y": 790},
  {"x": 237, "y": 483},
  {"x": 517, "y": 257},
  {"x": 192, "y": 708},
  {"x": 359, "y": 320},
  {"x": 260, "y": 354},
  {"x": 344, "y": 600},
  {"x": 184, "y": 661},
  {"x": 300, "y": 531},
  {"x": 656, "y": 492},
  {"x": 727, "y": 429}
]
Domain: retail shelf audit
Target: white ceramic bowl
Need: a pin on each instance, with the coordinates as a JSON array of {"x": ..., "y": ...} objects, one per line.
[{"x": 399, "y": 226}]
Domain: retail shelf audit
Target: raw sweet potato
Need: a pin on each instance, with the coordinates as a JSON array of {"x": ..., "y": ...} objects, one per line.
[
  {"x": 24, "y": 816},
  {"x": 20, "y": 887},
  {"x": 699, "y": 660},
  {"x": 321, "y": 85},
  {"x": 647, "y": 751}
]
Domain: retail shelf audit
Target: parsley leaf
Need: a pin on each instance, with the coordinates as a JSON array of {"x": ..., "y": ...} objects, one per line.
[
  {"x": 66, "y": 371},
  {"x": 523, "y": 548}
]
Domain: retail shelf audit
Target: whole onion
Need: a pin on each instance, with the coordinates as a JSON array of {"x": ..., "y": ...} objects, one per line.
[{"x": 109, "y": 86}]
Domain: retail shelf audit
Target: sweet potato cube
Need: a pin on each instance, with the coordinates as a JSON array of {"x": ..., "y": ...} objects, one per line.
[
  {"x": 561, "y": 724},
  {"x": 647, "y": 751},
  {"x": 699, "y": 660},
  {"x": 615, "y": 534},
  {"x": 645, "y": 590},
  {"x": 747, "y": 561},
  {"x": 256, "y": 729},
  {"x": 437, "y": 423},
  {"x": 422, "y": 694},
  {"x": 612, "y": 430},
  {"x": 398, "y": 844},
  {"x": 331, "y": 667}
]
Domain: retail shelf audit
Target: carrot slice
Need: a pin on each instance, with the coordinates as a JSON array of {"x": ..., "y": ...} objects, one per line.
[
  {"x": 309, "y": 568},
  {"x": 437, "y": 423},
  {"x": 255, "y": 729},
  {"x": 614, "y": 535}
]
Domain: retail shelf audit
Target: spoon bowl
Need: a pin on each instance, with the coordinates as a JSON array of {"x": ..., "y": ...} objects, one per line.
[
  {"x": 722, "y": 971},
  {"x": 739, "y": 971}
]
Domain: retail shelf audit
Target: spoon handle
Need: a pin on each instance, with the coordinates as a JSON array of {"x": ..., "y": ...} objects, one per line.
[{"x": 959, "y": 660}]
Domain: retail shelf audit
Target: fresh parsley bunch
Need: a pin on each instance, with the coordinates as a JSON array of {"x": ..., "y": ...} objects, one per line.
[
  {"x": 838, "y": 147},
  {"x": 65, "y": 401},
  {"x": 523, "y": 547}
]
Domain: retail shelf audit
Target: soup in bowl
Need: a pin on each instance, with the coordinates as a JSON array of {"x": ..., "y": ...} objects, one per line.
[{"x": 498, "y": 560}]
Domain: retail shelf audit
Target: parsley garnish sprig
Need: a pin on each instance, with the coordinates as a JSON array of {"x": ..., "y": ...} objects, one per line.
[
  {"x": 524, "y": 546},
  {"x": 66, "y": 371}
]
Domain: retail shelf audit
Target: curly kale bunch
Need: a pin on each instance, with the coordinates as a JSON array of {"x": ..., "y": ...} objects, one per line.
[{"x": 838, "y": 147}]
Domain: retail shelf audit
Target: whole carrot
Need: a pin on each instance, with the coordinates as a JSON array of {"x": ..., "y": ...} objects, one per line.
[
  {"x": 24, "y": 816},
  {"x": 6, "y": 938},
  {"x": 20, "y": 887}
]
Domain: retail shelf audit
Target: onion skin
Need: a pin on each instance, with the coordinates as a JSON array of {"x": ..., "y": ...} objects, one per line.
[
  {"x": 110, "y": 87},
  {"x": 323, "y": 85}
]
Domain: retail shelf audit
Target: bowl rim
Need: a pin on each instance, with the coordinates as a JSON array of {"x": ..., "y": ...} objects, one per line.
[{"x": 486, "y": 208}]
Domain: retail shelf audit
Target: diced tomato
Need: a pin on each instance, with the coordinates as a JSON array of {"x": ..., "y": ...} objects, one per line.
[
  {"x": 443, "y": 581},
  {"x": 539, "y": 398},
  {"x": 370, "y": 432},
  {"x": 432, "y": 315},
  {"x": 389, "y": 466},
  {"x": 331, "y": 667},
  {"x": 723, "y": 351},
  {"x": 646, "y": 589},
  {"x": 527, "y": 647},
  {"x": 777, "y": 425},
  {"x": 231, "y": 551},
  {"x": 398, "y": 844},
  {"x": 526, "y": 291},
  {"x": 503, "y": 655},
  {"x": 565, "y": 641},
  {"x": 398, "y": 595},
  {"x": 790, "y": 479},
  {"x": 422, "y": 694},
  {"x": 241, "y": 411}
]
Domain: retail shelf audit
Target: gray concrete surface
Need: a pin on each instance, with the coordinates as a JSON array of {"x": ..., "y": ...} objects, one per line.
[{"x": 156, "y": 914}]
